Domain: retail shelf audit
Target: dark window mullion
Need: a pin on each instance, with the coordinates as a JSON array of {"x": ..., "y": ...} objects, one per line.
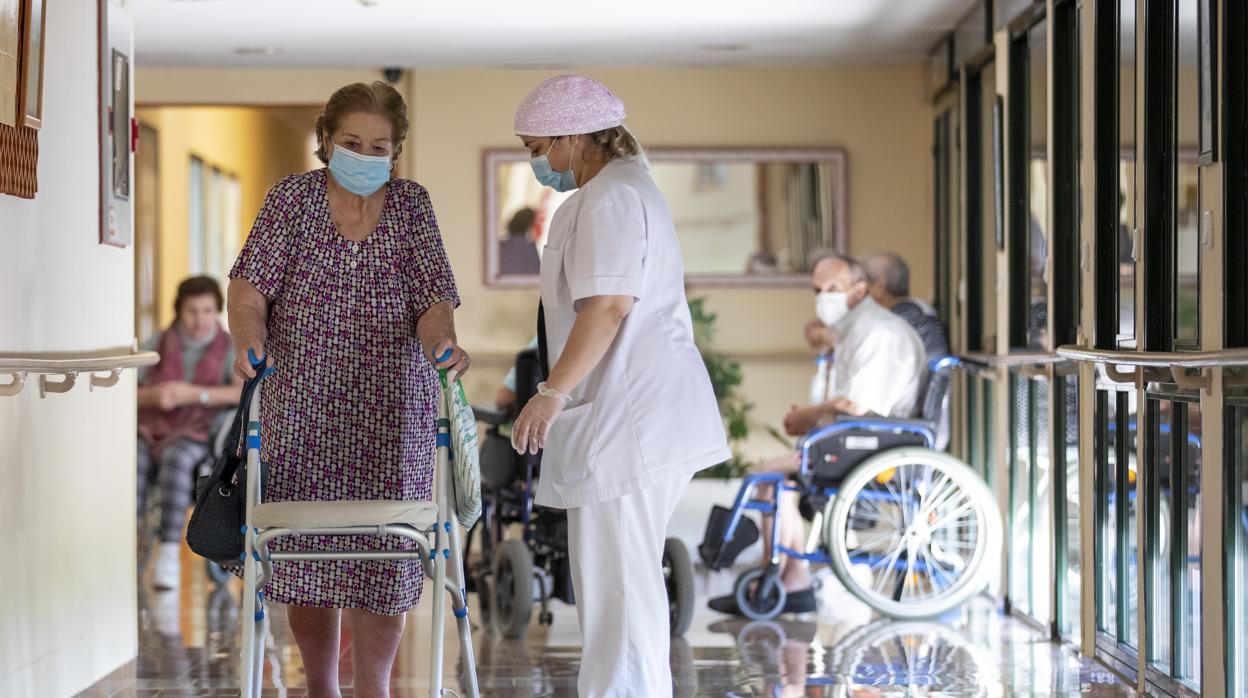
[
  {"x": 1106, "y": 146},
  {"x": 973, "y": 215},
  {"x": 1100, "y": 440},
  {"x": 1124, "y": 445},
  {"x": 1065, "y": 177},
  {"x": 1160, "y": 137},
  {"x": 1017, "y": 160},
  {"x": 1149, "y": 487},
  {"x": 1235, "y": 153},
  {"x": 1178, "y": 530},
  {"x": 1061, "y": 505}
]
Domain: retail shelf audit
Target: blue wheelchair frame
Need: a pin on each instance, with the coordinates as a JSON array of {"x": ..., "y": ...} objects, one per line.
[{"x": 779, "y": 481}]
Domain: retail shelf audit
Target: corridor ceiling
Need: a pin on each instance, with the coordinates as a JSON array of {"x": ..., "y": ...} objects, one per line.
[{"x": 543, "y": 34}]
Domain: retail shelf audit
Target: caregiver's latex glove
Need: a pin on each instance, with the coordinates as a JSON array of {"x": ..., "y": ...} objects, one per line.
[{"x": 528, "y": 434}]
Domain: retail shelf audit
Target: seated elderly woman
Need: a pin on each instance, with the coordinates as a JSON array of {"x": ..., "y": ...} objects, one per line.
[
  {"x": 180, "y": 399},
  {"x": 345, "y": 288}
]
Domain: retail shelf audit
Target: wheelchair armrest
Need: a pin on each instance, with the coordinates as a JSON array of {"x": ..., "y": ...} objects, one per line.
[
  {"x": 490, "y": 416},
  {"x": 870, "y": 423}
]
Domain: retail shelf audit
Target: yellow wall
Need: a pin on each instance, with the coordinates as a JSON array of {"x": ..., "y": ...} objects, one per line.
[
  {"x": 253, "y": 145},
  {"x": 877, "y": 114}
]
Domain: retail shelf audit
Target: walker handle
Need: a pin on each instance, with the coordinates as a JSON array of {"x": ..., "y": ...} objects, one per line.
[{"x": 258, "y": 365}]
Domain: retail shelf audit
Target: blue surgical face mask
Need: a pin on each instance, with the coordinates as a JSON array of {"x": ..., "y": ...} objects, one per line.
[
  {"x": 359, "y": 174},
  {"x": 559, "y": 181}
]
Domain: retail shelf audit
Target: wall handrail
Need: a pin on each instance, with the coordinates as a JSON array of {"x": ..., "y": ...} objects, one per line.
[
  {"x": 1221, "y": 358},
  {"x": 110, "y": 362},
  {"x": 1146, "y": 366},
  {"x": 1014, "y": 358}
]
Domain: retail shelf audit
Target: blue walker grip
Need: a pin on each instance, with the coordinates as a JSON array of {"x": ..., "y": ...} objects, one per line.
[
  {"x": 258, "y": 365},
  {"x": 449, "y": 353}
]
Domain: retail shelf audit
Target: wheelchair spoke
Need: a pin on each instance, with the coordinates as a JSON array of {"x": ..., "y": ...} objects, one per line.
[
  {"x": 870, "y": 543},
  {"x": 945, "y": 488},
  {"x": 889, "y": 570},
  {"x": 901, "y": 504},
  {"x": 965, "y": 507},
  {"x": 888, "y": 517}
]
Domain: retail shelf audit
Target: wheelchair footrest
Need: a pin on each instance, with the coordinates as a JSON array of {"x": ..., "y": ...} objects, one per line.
[{"x": 716, "y": 550}]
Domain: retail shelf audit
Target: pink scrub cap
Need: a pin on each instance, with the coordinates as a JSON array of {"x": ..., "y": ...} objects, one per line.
[{"x": 568, "y": 105}]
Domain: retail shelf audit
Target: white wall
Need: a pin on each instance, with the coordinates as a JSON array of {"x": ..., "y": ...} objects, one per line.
[{"x": 67, "y": 577}]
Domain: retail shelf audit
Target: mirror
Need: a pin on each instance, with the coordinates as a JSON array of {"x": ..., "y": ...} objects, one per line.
[{"x": 755, "y": 217}]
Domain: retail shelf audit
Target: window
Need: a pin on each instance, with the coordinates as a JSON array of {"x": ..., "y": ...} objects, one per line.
[
  {"x": 1186, "y": 304},
  {"x": 945, "y": 210},
  {"x": 981, "y": 212},
  {"x": 1028, "y": 163},
  {"x": 1236, "y": 449},
  {"x": 1116, "y": 228}
]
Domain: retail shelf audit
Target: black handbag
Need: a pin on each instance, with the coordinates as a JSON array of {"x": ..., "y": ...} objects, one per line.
[{"x": 219, "y": 518}]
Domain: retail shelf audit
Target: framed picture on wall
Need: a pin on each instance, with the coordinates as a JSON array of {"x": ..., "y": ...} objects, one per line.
[
  {"x": 30, "y": 88},
  {"x": 119, "y": 129},
  {"x": 1207, "y": 31}
]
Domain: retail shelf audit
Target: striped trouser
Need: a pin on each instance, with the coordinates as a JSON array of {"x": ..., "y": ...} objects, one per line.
[{"x": 175, "y": 475}]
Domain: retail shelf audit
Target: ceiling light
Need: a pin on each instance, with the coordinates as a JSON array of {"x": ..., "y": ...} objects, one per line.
[
  {"x": 370, "y": 3},
  {"x": 257, "y": 50}
]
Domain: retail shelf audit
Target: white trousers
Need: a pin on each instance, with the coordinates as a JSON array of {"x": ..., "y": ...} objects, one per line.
[{"x": 616, "y": 552}]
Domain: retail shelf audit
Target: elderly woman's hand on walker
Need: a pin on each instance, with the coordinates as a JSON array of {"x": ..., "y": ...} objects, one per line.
[{"x": 436, "y": 331}]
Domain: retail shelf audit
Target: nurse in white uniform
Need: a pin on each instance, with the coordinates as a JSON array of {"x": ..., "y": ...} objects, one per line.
[{"x": 627, "y": 414}]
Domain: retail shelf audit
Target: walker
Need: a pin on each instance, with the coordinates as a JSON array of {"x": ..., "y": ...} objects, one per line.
[{"x": 432, "y": 525}]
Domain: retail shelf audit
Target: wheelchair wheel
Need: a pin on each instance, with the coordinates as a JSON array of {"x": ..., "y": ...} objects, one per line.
[
  {"x": 921, "y": 525},
  {"x": 512, "y": 589},
  {"x": 760, "y": 595},
  {"x": 678, "y": 575}
]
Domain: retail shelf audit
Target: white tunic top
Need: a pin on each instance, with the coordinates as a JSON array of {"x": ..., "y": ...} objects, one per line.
[
  {"x": 879, "y": 362},
  {"x": 647, "y": 413}
]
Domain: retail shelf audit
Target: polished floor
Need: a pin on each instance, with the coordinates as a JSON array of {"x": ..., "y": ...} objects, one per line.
[{"x": 187, "y": 648}]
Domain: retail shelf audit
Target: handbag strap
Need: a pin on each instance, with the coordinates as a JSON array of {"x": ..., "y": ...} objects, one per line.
[{"x": 234, "y": 438}]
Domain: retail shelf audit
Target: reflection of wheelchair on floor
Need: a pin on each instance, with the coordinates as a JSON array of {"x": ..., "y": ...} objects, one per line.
[
  {"x": 909, "y": 530},
  {"x": 915, "y": 657},
  {"x": 513, "y": 573}
]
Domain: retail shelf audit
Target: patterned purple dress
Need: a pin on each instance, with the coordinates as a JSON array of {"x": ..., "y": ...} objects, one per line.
[{"x": 349, "y": 412}]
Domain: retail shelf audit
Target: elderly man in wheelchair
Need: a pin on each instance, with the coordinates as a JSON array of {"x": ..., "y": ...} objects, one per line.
[{"x": 907, "y": 529}]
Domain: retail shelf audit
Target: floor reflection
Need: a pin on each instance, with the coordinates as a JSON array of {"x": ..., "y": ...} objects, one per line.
[{"x": 188, "y": 648}]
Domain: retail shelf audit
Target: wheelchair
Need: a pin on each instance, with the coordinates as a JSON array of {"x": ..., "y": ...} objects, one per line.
[
  {"x": 511, "y": 574},
  {"x": 911, "y": 531}
]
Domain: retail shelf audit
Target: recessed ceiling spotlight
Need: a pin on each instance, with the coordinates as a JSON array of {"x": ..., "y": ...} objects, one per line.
[
  {"x": 724, "y": 48},
  {"x": 257, "y": 50},
  {"x": 369, "y": 3}
]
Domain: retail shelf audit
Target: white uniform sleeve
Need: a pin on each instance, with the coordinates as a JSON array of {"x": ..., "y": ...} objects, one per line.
[{"x": 606, "y": 252}]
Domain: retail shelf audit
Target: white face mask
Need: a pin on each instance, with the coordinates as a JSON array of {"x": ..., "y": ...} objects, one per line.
[{"x": 831, "y": 307}]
